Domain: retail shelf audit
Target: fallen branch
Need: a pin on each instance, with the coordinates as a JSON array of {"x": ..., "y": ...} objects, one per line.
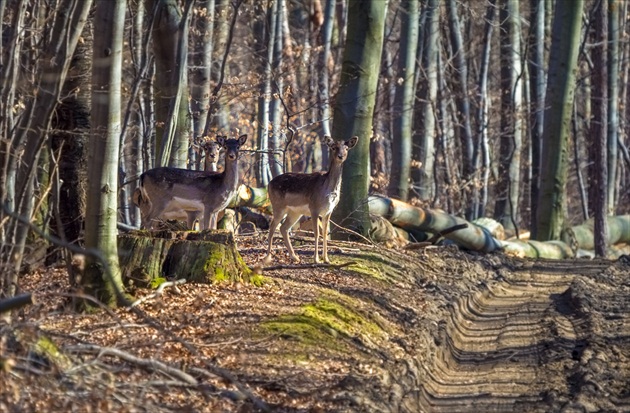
[
  {"x": 158, "y": 291},
  {"x": 301, "y": 266},
  {"x": 16, "y": 302},
  {"x": 149, "y": 364},
  {"x": 445, "y": 232}
]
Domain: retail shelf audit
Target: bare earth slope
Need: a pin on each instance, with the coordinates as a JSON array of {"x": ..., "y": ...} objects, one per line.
[{"x": 436, "y": 330}]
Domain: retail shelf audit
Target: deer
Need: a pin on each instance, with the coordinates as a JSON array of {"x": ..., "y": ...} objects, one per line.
[
  {"x": 165, "y": 190},
  {"x": 311, "y": 194},
  {"x": 210, "y": 150}
]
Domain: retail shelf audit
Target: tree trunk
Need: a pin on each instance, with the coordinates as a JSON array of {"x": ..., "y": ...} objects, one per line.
[
  {"x": 202, "y": 257},
  {"x": 559, "y": 102},
  {"x": 102, "y": 277},
  {"x": 170, "y": 43},
  {"x": 599, "y": 130},
  {"x": 507, "y": 205},
  {"x": 69, "y": 141},
  {"x": 613, "y": 102},
  {"x": 461, "y": 96},
  {"x": 275, "y": 106},
  {"x": 537, "y": 88},
  {"x": 427, "y": 94},
  {"x": 268, "y": 33},
  {"x": 404, "y": 102},
  {"x": 36, "y": 120},
  {"x": 354, "y": 108},
  {"x": 201, "y": 59},
  {"x": 482, "y": 151},
  {"x": 217, "y": 122}
]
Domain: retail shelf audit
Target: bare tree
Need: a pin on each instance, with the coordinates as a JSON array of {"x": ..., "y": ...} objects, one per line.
[
  {"x": 464, "y": 131},
  {"x": 404, "y": 102},
  {"x": 427, "y": 94},
  {"x": 102, "y": 277},
  {"x": 354, "y": 109},
  {"x": 30, "y": 133},
  {"x": 599, "y": 129},
  {"x": 511, "y": 141},
  {"x": 170, "y": 45},
  {"x": 537, "y": 92},
  {"x": 559, "y": 102}
]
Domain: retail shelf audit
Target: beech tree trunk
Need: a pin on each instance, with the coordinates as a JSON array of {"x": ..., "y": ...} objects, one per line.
[
  {"x": 102, "y": 277},
  {"x": 354, "y": 109}
]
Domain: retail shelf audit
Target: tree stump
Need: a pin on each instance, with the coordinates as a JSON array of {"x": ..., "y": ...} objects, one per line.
[{"x": 146, "y": 257}]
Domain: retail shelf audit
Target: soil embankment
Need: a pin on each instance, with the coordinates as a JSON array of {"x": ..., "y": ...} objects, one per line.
[{"x": 419, "y": 331}]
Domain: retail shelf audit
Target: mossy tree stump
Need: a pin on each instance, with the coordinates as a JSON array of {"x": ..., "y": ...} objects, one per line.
[{"x": 146, "y": 257}]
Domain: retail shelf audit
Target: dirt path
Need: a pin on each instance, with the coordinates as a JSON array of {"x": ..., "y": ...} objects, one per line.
[{"x": 541, "y": 339}]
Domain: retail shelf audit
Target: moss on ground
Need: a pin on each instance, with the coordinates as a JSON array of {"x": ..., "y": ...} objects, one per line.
[{"x": 323, "y": 322}]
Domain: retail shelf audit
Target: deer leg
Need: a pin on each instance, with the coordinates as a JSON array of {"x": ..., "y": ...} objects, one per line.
[
  {"x": 156, "y": 209},
  {"x": 192, "y": 217},
  {"x": 207, "y": 214},
  {"x": 325, "y": 224},
  {"x": 213, "y": 220},
  {"x": 315, "y": 219},
  {"x": 291, "y": 219},
  {"x": 277, "y": 217}
]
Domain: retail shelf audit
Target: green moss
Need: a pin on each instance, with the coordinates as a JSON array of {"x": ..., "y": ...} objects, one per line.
[
  {"x": 156, "y": 282},
  {"x": 258, "y": 280},
  {"x": 220, "y": 275},
  {"x": 321, "y": 323},
  {"x": 46, "y": 348},
  {"x": 304, "y": 329},
  {"x": 376, "y": 266},
  {"x": 372, "y": 271}
]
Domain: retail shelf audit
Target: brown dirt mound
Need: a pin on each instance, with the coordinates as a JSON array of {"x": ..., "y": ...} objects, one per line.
[{"x": 435, "y": 330}]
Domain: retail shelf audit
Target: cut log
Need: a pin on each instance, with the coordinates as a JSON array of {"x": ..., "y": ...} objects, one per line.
[
  {"x": 410, "y": 217},
  {"x": 205, "y": 257},
  {"x": 618, "y": 232}
]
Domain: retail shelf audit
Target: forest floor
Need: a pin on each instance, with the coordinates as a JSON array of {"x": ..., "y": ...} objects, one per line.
[{"x": 430, "y": 330}]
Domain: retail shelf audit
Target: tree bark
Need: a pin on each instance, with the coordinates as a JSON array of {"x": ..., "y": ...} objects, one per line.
[
  {"x": 559, "y": 102},
  {"x": 354, "y": 108},
  {"x": 203, "y": 257},
  {"x": 613, "y": 103},
  {"x": 102, "y": 277},
  {"x": 170, "y": 44},
  {"x": 599, "y": 128},
  {"x": 427, "y": 94},
  {"x": 35, "y": 120},
  {"x": 537, "y": 89},
  {"x": 508, "y": 188},
  {"x": 461, "y": 96},
  {"x": 404, "y": 102}
]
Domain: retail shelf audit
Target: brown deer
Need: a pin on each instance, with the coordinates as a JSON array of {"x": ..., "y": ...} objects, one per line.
[
  {"x": 166, "y": 190},
  {"x": 316, "y": 195},
  {"x": 210, "y": 150}
]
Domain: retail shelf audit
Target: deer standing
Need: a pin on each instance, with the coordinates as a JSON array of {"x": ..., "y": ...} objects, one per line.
[
  {"x": 316, "y": 195},
  {"x": 164, "y": 189},
  {"x": 210, "y": 150}
]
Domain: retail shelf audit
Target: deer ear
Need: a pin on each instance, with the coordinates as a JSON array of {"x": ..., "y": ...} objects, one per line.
[
  {"x": 221, "y": 140},
  {"x": 352, "y": 142},
  {"x": 242, "y": 139},
  {"x": 329, "y": 141}
]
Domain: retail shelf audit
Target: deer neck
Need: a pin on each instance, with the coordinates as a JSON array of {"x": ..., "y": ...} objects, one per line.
[
  {"x": 210, "y": 166},
  {"x": 230, "y": 173},
  {"x": 333, "y": 176}
]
